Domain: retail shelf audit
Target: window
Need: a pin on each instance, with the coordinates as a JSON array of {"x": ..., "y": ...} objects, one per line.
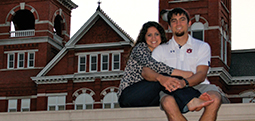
[
  {"x": 31, "y": 60},
  {"x": 198, "y": 34},
  {"x": 21, "y": 60},
  {"x": 197, "y": 30},
  {"x": 111, "y": 100},
  {"x": 12, "y": 105},
  {"x": 25, "y": 105},
  {"x": 104, "y": 62},
  {"x": 116, "y": 61},
  {"x": 82, "y": 63},
  {"x": 56, "y": 103},
  {"x": 10, "y": 60},
  {"x": 84, "y": 101},
  {"x": 225, "y": 51},
  {"x": 93, "y": 63}
]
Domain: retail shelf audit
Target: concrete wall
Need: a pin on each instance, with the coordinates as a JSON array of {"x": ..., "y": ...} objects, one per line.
[{"x": 227, "y": 112}]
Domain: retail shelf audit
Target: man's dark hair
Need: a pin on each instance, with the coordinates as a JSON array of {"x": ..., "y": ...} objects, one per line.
[{"x": 176, "y": 11}]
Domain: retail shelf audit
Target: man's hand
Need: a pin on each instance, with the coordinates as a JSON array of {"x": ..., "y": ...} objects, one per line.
[{"x": 170, "y": 83}]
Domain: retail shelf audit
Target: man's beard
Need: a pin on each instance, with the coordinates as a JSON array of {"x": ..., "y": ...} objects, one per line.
[{"x": 179, "y": 34}]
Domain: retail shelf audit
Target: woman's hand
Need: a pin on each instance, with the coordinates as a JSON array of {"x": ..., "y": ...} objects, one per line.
[{"x": 170, "y": 83}]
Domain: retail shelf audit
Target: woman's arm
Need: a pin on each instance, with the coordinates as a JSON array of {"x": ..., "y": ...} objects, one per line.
[{"x": 168, "y": 82}]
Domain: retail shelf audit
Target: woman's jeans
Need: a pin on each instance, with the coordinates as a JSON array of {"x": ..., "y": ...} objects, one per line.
[{"x": 146, "y": 93}]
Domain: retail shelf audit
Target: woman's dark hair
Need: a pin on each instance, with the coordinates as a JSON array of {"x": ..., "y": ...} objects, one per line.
[{"x": 143, "y": 31}]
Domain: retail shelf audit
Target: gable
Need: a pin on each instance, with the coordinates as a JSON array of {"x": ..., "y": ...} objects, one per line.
[{"x": 100, "y": 32}]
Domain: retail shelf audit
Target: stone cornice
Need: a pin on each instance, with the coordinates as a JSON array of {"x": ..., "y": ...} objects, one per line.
[{"x": 79, "y": 77}]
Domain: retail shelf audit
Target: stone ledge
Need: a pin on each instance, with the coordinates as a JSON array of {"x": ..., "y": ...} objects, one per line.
[{"x": 227, "y": 112}]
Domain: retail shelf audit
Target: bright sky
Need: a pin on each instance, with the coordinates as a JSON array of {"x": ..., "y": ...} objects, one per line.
[{"x": 130, "y": 15}]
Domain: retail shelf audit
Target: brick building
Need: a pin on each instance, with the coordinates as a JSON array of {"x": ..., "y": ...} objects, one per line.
[
  {"x": 211, "y": 22},
  {"x": 42, "y": 68}
]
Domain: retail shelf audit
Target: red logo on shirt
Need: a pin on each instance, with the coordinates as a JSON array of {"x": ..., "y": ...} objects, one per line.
[{"x": 189, "y": 50}]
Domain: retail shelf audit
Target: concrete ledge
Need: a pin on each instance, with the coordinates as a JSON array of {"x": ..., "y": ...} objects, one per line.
[{"x": 227, "y": 112}]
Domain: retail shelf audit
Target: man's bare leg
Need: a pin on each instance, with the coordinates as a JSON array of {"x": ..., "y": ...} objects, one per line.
[
  {"x": 196, "y": 104},
  {"x": 171, "y": 109},
  {"x": 211, "y": 111}
]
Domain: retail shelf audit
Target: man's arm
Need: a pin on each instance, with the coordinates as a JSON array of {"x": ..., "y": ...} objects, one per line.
[
  {"x": 199, "y": 76},
  {"x": 169, "y": 83}
]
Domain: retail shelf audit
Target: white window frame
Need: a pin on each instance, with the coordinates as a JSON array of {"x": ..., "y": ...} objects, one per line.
[
  {"x": 110, "y": 98},
  {"x": 102, "y": 63},
  {"x": 90, "y": 63},
  {"x": 83, "y": 64},
  {"x": 198, "y": 26},
  {"x": 84, "y": 101},
  {"x": 56, "y": 104},
  {"x": 113, "y": 62},
  {"x": 30, "y": 60},
  {"x": 22, "y": 61},
  {"x": 9, "y": 61},
  {"x": 13, "y": 102},
  {"x": 25, "y": 105}
]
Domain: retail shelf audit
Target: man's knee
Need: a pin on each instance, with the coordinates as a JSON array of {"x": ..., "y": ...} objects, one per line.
[
  {"x": 167, "y": 101},
  {"x": 216, "y": 96}
]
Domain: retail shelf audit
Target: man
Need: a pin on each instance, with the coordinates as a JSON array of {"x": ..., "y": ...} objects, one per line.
[{"x": 189, "y": 54}]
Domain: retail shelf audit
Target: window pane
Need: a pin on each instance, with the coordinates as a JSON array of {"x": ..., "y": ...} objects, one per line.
[
  {"x": 116, "y": 61},
  {"x": 105, "y": 58},
  {"x": 82, "y": 67},
  {"x": 11, "y": 61},
  {"x": 105, "y": 67},
  {"x": 116, "y": 105},
  {"x": 93, "y": 62},
  {"x": 79, "y": 107},
  {"x": 31, "y": 60},
  {"x": 61, "y": 107},
  {"x": 107, "y": 105},
  {"x": 198, "y": 35},
  {"x": 116, "y": 66},
  {"x": 82, "y": 64},
  {"x": 25, "y": 109},
  {"x": 21, "y": 60},
  {"x": 88, "y": 106},
  {"x": 93, "y": 59},
  {"x": 12, "y": 110},
  {"x": 93, "y": 67},
  {"x": 52, "y": 108},
  {"x": 116, "y": 57}
]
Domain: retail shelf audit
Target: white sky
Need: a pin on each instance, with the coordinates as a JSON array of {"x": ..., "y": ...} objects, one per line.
[{"x": 130, "y": 15}]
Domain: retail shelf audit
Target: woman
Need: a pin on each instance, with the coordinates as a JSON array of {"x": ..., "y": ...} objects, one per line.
[{"x": 134, "y": 91}]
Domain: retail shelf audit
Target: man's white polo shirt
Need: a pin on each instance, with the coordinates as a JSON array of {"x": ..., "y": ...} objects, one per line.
[{"x": 188, "y": 57}]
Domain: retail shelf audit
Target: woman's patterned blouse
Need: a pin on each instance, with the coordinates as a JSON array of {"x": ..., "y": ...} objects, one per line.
[{"x": 140, "y": 57}]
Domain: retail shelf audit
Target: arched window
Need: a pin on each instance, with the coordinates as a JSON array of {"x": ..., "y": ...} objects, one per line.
[
  {"x": 197, "y": 30},
  {"x": 58, "y": 26},
  {"x": 84, "y": 101},
  {"x": 23, "y": 20},
  {"x": 111, "y": 100}
]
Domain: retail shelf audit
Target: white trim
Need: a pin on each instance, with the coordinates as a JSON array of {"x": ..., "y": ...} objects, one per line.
[
  {"x": 114, "y": 62},
  {"x": 100, "y": 52},
  {"x": 21, "y": 51}
]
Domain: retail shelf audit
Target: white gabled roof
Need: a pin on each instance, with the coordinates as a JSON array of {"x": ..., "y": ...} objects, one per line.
[{"x": 80, "y": 33}]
